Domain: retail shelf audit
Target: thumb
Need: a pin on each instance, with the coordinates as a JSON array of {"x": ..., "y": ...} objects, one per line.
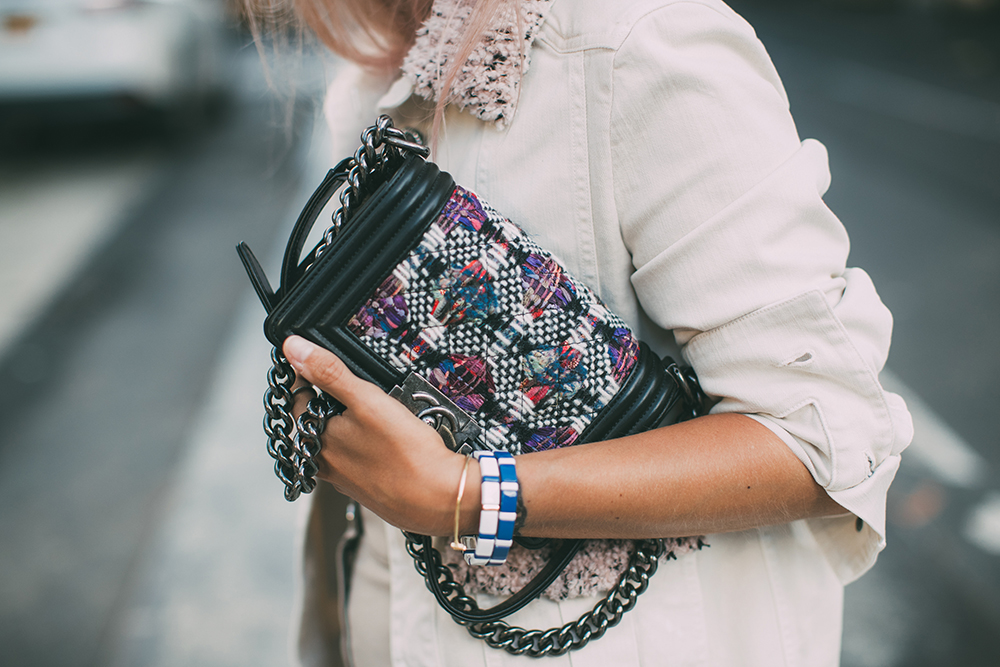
[{"x": 325, "y": 370}]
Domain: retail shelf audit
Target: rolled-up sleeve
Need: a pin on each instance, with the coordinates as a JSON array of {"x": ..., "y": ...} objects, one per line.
[{"x": 735, "y": 251}]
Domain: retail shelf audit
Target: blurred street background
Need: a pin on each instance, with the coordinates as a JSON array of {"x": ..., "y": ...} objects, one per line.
[{"x": 140, "y": 523}]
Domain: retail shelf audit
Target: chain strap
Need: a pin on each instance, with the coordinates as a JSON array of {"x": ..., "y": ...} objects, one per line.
[
  {"x": 294, "y": 447},
  {"x": 695, "y": 398},
  {"x": 279, "y": 424},
  {"x": 382, "y": 148},
  {"x": 606, "y": 614}
]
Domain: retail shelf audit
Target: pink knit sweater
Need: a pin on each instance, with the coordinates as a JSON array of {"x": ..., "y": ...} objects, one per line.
[
  {"x": 489, "y": 81},
  {"x": 594, "y": 570}
]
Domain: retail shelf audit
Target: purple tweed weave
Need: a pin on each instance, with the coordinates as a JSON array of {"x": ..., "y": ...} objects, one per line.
[{"x": 494, "y": 322}]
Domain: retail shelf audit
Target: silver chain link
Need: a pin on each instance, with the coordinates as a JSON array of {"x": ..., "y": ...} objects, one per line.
[
  {"x": 279, "y": 425},
  {"x": 606, "y": 614},
  {"x": 294, "y": 447},
  {"x": 382, "y": 145}
]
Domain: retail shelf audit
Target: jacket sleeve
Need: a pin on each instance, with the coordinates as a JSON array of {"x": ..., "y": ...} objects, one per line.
[{"x": 721, "y": 207}]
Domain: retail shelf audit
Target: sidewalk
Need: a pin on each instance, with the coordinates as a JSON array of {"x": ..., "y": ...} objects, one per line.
[
  {"x": 215, "y": 589},
  {"x": 51, "y": 226},
  {"x": 115, "y": 545}
]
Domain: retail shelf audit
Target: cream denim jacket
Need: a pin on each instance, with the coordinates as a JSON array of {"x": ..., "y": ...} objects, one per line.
[{"x": 653, "y": 152}]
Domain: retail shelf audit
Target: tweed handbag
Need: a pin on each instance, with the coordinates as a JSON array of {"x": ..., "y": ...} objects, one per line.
[{"x": 422, "y": 288}]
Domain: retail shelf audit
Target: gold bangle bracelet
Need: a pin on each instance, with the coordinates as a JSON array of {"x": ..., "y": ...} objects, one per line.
[{"x": 456, "y": 543}]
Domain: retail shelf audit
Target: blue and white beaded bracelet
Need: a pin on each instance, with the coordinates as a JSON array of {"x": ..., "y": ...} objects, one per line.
[{"x": 499, "y": 509}]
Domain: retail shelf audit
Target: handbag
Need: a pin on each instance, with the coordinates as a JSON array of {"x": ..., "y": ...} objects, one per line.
[{"x": 422, "y": 288}]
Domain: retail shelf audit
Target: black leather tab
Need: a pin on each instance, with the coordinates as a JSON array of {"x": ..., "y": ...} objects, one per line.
[{"x": 257, "y": 277}]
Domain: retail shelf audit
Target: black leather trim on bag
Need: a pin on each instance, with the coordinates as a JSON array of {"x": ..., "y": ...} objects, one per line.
[{"x": 375, "y": 239}]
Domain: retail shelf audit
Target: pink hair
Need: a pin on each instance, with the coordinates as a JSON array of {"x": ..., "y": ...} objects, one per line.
[{"x": 376, "y": 34}]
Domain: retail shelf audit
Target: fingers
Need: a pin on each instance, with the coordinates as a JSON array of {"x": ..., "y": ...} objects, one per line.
[
  {"x": 325, "y": 370},
  {"x": 377, "y": 451}
]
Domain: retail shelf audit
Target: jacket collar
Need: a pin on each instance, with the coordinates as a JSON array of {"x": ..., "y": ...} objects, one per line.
[{"x": 488, "y": 84}]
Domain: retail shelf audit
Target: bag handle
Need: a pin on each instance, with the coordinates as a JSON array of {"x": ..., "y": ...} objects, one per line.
[
  {"x": 292, "y": 269},
  {"x": 463, "y": 608},
  {"x": 486, "y": 624},
  {"x": 382, "y": 148}
]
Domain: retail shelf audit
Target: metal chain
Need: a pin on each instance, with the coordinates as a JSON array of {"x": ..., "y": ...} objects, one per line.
[
  {"x": 382, "y": 147},
  {"x": 295, "y": 449},
  {"x": 694, "y": 396},
  {"x": 294, "y": 445},
  {"x": 606, "y": 614},
  {"x": 310, "y": 426},
  {"x": 279, "y": 425}
]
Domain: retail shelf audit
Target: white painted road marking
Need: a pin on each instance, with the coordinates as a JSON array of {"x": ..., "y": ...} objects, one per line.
[
  {"x": 953, "y": 462},
  {"x": 983, "y": 525},
  {"x": 935, "y": 445},
  {"x": 51, "y": 223}
]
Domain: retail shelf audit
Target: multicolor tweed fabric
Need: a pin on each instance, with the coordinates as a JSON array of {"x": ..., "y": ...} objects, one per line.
[{"x": 497, "y": 325}]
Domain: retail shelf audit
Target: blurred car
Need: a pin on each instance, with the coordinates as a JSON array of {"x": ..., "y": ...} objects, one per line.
[{"x": 153, "y": 54}]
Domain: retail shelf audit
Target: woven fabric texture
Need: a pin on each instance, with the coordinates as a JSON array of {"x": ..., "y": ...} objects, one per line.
[{"x": 494, "y": 322}]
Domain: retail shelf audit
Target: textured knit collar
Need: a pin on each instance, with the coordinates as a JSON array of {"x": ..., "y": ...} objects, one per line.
[{"x": 489, "y": 83}]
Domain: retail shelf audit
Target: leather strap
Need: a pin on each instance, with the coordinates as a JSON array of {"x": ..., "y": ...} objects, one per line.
[
  {"x": 292, "y": 267},
  {"x": 531, "y": 591},
  {"x": 258, "y": 278}
]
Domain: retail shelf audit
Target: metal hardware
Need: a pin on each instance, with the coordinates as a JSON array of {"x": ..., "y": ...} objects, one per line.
[
  {"x": 694, "y": 396},
  {"x": 382, "y": 148},
  {"x": 607, "y": 613},
  {"x": 279, "y": 424},
  {"x": 309, "y": 428},
  {"x": 434, "y": 408}
]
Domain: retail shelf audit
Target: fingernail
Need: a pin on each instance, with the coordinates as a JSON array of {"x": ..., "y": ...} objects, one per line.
[{"x": 297, "y": 350}]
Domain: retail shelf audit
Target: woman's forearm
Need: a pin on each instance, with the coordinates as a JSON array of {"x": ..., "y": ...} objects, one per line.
[{"x": 713, "y": 474}]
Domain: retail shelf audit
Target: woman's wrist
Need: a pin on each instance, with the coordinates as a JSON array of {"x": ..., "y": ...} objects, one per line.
[
  {"x": 498, "y": 496},
  {"x": 433, "y": 511},
  {"x": 717, "y": 473}
]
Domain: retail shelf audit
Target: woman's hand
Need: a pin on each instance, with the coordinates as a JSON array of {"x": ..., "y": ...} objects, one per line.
[
  {"x": 377, "y": 452},
  {"x": 712, "y": 474}
]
